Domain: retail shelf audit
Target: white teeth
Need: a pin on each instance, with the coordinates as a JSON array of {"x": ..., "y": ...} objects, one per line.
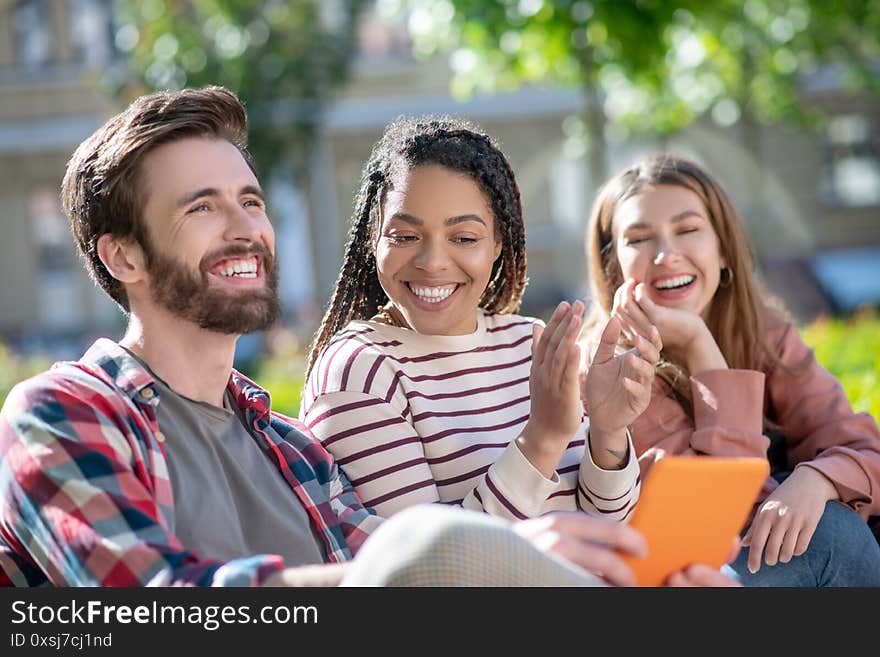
[
  {"x": 240, "y": 268},
  {"x": 433, "y": 294},
  {"x": 678, "y": 281}
]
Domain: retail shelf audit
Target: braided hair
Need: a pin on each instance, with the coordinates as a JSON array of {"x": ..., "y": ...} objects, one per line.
[{"x": 408, "y": 142}]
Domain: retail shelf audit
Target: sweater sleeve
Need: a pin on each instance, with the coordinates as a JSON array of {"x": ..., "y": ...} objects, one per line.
[
  {"x": 820, "y": 428},
  {"x": 382, "y": 455},
  {"x": 609, "y": 493}
]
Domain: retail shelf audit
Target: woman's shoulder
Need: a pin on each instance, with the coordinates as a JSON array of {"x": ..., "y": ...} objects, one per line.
[
  {"x": 497, "y": 323},
  {"x": 357, "y": 346},
  {"x": 783, "y": 337}
]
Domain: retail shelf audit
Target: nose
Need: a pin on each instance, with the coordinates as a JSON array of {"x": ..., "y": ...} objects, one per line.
[
  {"x": 246, "y": 226},
  {"x": 666, "y": 252},
  {"x": 432, "y": 256}
]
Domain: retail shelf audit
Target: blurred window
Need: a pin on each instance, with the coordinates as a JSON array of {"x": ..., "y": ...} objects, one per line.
[
  {"x": 91, "y": 32},
  {"x": 32, "y": 34},
  {"x": 59, "y": 296},
  {"x": 851, "y": 176},
  {"x": 381, "y": 35}
]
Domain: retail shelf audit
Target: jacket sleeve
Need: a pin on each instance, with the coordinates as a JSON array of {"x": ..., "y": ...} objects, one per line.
[
  {"x": 77, "y": 504},
  {"x": 728, "y": 419},
  {"x": 820, "y": 427}
]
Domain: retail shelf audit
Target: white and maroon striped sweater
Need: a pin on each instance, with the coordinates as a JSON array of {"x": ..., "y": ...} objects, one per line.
[{"x": 415, "y": 418}]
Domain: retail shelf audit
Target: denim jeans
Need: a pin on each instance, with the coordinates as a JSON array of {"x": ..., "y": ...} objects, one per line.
[{"x": 842, "y": 552}]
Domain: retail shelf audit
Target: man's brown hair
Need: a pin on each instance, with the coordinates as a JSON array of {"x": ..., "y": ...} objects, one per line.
[{"x": 101, "y": 192}]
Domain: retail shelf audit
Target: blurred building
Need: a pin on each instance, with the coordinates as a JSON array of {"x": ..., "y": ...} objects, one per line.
[
  {"x": 50, "y": 54},
  {"x": 811, "y": 201}
]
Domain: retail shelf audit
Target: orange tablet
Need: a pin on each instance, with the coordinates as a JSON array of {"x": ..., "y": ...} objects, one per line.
[{"x": 690, "y": 510}]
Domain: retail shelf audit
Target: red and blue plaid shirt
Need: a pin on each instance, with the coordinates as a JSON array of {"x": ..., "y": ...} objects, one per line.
[{"x": 85, "y": 498}]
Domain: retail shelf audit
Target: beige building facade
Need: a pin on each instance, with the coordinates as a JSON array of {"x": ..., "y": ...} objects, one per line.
[{"x": 815, "y": 192}]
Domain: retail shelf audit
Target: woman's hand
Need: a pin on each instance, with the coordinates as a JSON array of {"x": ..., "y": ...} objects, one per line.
[
  {"x": 556, "y": 409},
  {"x": 617, "y": 390},
  {"x": 785, "y": 521},
  {"x": 683, "y": 333}
]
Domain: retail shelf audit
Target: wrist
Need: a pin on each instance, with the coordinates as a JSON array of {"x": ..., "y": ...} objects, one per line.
[
  {"x": 704, "y": 353},
  {"x": 540, "y": 449},
  {"x": 821, "y": 480},
  {"x": 609, "y": 449}
]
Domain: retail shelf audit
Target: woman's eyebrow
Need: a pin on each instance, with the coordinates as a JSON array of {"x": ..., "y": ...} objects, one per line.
[{"x": 415, "y": 221}]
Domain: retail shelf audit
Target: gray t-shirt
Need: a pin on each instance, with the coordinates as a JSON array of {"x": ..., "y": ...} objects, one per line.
[{"x": 230, "y": 500}]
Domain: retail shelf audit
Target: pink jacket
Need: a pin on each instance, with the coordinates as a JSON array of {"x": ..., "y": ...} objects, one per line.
[{"x": 820, "y": 428}]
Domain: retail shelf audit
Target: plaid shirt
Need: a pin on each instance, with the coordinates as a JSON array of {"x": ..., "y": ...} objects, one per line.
[{"x": 85, "y": 498}]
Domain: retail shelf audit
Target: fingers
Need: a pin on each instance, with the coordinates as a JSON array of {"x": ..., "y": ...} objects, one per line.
[
  {"x": 789, "y": 543},
  {"x": 613, "y": 534},
  {"x": 804, "y": 538},
  {"x": 639, "y": 369},
  {"x": 566, "y": 354},
  {"x": 699, "y": 574},
  {"x": 769, "y": 520},
  {"x": 591, "y": 543},
  {"x": 540, "y": 351},
  {"x": 608, "y": 341},
  {"x": 537, "y": 332},
  {"x": 635, "y": 321},
  {"x": 648, "y": 349},
  {"x": 774, "y": 543},
  {"x": 597, "y": 559}
]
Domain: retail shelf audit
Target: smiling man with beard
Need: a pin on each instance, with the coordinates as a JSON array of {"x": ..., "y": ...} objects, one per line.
[{"x": 151, "y": 461}]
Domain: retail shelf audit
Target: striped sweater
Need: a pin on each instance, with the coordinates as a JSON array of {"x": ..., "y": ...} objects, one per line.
[{"x": 415, "y": 418}]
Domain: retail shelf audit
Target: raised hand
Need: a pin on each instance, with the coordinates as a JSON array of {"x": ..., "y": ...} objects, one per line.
[
  {"x": 617, "y": 390},
  {"x": 785, "y": 521},
  {"x": 682, "y": 332},
  {"x": 556, "y": 409}
]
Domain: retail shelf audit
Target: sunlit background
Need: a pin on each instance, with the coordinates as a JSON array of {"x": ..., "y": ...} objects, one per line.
[{"x": 779, "y": 99}]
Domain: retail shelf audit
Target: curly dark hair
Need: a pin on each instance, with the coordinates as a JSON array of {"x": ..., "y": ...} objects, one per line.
[{"x": 408, "y": 142}]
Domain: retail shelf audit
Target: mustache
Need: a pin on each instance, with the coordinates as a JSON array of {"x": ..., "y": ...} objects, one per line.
[{"x": 238, "y": 251}]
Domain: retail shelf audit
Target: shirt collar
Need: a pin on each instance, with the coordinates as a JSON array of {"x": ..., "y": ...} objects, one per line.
[{"x": 132, "y": 378}]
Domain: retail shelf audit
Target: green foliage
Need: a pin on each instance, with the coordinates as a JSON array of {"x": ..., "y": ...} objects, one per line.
[
  {"x": 281, "y": 371},
  {"x": 850, "y": 350},
  {"x": 15, "y": 368},
  {"x": 659, "y": 65},
  {"x": 282, "y": 57}
]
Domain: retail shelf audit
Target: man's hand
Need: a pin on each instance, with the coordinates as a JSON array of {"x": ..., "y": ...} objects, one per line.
[
  {"x": 785, "y": 521},
  {"x": 588, "y": 542},
  {"x": 322, "y": 574}
]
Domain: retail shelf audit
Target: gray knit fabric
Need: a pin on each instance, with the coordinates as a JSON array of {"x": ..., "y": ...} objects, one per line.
[{"x": 432, "y": 545}]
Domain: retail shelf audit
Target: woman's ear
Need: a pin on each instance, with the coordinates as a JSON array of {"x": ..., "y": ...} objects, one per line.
[{"x": 123, "y": 257}]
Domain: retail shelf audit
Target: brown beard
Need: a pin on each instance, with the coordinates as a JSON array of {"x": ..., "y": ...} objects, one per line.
[{"x": 190, "y": 296}]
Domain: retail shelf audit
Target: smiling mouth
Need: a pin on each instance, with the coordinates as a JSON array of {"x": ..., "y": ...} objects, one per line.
[
  {"x": 675, "y": 283},
  {"x": 432, "y": 294},
  {"x": 238, "y": 268}
]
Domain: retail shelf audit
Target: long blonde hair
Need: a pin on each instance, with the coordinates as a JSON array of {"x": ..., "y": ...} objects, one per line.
[{"x": 738, "y": 310}]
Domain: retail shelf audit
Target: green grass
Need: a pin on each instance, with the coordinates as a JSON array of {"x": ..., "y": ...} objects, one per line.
[{"x": 850, "y": 349}]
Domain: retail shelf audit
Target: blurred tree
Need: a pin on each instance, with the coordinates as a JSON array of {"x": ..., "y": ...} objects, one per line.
[
  {"x": 652, "y": 66},
  {"x": 284, "y": 58}
]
